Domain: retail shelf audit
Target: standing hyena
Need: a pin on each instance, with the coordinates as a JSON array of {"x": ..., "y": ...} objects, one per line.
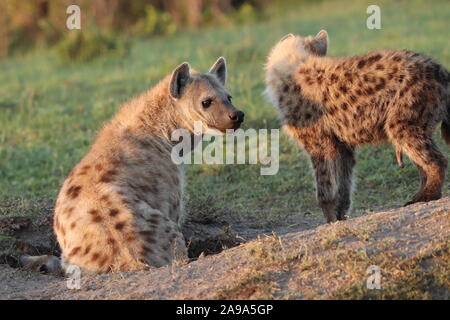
[
  {"x": 331, "y": 105},
  {"x": 121, "y": 206}
]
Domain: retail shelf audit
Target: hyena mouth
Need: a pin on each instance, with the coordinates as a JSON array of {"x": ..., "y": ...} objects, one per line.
[{"x": 224, "y": 130}]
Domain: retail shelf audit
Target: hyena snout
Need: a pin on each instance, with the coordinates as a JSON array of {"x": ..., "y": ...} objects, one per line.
[
  {"x": 237, "y": 117},
  {"x": 227, "y": 117}
]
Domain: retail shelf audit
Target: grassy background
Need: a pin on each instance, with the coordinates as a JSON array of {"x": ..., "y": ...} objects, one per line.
[{"x": 50, "y": 112}]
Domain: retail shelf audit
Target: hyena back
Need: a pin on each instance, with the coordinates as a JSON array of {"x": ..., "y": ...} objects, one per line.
[
  {"x": 332, "y": 105},
  {"x": 121, "y": 207}
]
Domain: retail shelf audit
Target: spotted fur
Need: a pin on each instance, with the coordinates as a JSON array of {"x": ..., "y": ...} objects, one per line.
[
  {"x": 332, "y": 105},
  {"x": 121, "y": 207}
]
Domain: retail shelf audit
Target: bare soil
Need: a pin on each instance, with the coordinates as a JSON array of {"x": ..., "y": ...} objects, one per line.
[{"x": 299, "y": 259}]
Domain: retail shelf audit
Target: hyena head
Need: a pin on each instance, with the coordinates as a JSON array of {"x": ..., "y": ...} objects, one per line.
[
  {"x": 203, "y": 97},
  {"x": 288, "y": 54},
  {"x": 292, "y": 50}
]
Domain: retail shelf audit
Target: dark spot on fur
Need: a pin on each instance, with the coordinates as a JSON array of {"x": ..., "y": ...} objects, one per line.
[
  {"x": 309, "y": 80},
  {"x": 343, "y": 89},
  {"x": 113, "y": 212},
  {"x": 87, "y": 250},
  {"x": 412, "y": 81},
  {"x": 373, "y": 59},
  {"x": 344, "y": 106},
  {"x": 93, "y": 211},
  {"x": 97, "y": 219},
  {"x": 361, "y": 63},
  {"x": 73, "y": 191},
  {"x": 130, "y": 237},
  {"x": 119, "y": 225},
  {"x": 126, "y": 202},
  {"x": 108, "y": 176},
  {"x": 369, "y": 91},
  {"x": 74, "y": 251},
  {"x": 98, "y": 166},
  {"x": 380, "y": 85},
  {"x": 73, "y": 225},
  {"x": 95, "y": 256},
  {"x": 146, "y": 250},
  {"x": 402, "y": 92},
  {"x": 147, "y": 233},
  {"x": 70, "y": 211},
  {"x": 334, "y": 78},
  {"x": 379, "y": 66}
]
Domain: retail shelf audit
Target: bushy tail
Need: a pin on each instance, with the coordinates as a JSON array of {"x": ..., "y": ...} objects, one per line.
[{"x": 445, "y": 127}]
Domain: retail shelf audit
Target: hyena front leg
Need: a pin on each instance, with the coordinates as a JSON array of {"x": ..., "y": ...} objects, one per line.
[
  {"x": 345, "y": 163},
  {"x": 326, "y": 189}
]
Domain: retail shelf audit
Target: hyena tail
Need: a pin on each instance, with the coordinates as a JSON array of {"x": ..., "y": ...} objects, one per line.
[{"x": 445, "y": 127}]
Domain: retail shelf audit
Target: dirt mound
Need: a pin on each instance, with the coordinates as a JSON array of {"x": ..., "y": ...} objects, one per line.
[{"x": 409, "y": 246}]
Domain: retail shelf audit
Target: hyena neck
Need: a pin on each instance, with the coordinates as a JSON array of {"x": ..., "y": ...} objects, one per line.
[
  {"x": 286, "y": 92},
  {"x": 151, "y": 116},
  {"x": 278, "y": 75}
]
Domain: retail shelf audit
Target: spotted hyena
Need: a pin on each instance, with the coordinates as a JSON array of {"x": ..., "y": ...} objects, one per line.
[
  {"x": 121, "y": 206},
  {"x": 332, "y": 105}
]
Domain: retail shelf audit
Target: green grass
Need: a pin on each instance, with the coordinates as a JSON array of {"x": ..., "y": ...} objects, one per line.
[{"x": 50, "y": 112}]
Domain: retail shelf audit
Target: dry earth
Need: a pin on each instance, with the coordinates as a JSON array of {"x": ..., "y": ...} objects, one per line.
[{"x": 410, "y": 245}]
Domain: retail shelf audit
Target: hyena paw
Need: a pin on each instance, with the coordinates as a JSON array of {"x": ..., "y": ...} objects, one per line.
[
  {"x": 341, "y": 216},
  {"x": 44, "y": 264},
  {"x": 424, "y": 198}
]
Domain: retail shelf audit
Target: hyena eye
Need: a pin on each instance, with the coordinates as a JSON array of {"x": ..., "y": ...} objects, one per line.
[
  {"x": 229, "y": 98},
  {"x": 206, "y": 103}
]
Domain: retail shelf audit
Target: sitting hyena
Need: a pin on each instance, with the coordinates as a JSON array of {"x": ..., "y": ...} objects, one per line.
[
  {"x": 121, "y": 206},
  {"x": 331, "y": 105}
]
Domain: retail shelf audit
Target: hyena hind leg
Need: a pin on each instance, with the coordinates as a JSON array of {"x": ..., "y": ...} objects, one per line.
[
  {"x": 432, "y": 165},
  {"x": 345, "y": 163},
  {"x": 326, "y": 189},
  {"x": 399, "y": 158}
]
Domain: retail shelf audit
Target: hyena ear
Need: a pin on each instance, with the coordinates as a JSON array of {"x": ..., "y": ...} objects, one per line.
[
  {"x": 286, "y": 37},
  {"x": 319, "y": 44},
  {"x": 219, "y": 69},
  {"x": 179, "y": 80}
]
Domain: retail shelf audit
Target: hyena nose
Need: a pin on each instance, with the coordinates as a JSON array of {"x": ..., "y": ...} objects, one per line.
[{"x": 237, "y": 116}]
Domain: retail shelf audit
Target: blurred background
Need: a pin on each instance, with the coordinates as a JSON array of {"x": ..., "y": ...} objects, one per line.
[
  {"x": 28, "y": 24},
  {"x": 59, "y": 86}
]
